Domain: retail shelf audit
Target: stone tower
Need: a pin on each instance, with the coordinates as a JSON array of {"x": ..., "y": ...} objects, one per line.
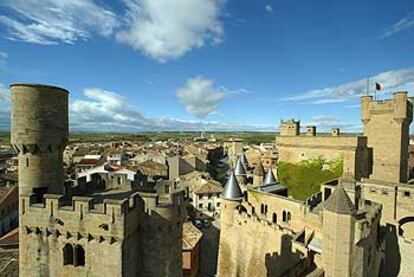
[
  {"x": 39, "y": 134},
  {"x": 230, "y": 199},
  {"x": 258, "y": 174},
  {"x": 386, "y": 124},
  {"x": 338, "y": 234},
  {"x": 289, "y": 128},
  {"x": 122, "y": 233}
]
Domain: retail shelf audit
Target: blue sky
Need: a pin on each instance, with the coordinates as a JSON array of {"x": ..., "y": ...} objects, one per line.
[{"x": 134, "y": 65}]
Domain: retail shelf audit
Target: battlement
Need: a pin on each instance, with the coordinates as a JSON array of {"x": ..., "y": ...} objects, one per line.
[
  {"x": 366, "y": 217},
  {"x": 289, "y": 127},
  {"x": 244, "y": 218},
  {"x": 322, "y": 141},
  {"x": 400, "y": 107},
  {"x": 103, "y": 218}
]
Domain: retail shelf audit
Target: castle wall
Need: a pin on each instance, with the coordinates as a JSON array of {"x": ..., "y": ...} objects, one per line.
[
  {"x": 46, "y": 228},
  {"x": 352, "y": 149},
  {"x": 245, "y": 248},
  {"x": 277, "y": 204}
]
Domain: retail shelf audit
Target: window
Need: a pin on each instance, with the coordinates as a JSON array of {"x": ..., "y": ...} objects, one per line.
[
  {"x": 265, "y": 210},
  {"x": 27, "y": 162},
  {"x": 288, "y": 216},
  {"x": 200, "y": 206},
  {"x": 261, "y": 208},
  {"x": 284, "y": 218},
  {"x": 274, "y": 218},
  {"x": 79, "y": 256},
  {"x": 73, "y": 255},
  {"x": 119, "y": 180},
  {"x": 68, "y": 254},
  {"x": 218, "y": 205},
  {"x": 167, "y": 189},
  {"x": 407, "y": 193}
]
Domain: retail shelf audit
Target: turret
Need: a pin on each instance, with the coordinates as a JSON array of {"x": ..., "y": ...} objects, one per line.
[
  {"x": 338, "y": 234},
  {"x": 231, "y": 197},
  {"x": 258, "y": 174},
  {"x": 39, "y": 134},
  {"x": 244, "y": 160},
  {"x": 289, "y": 128},
  {"x": 270, "y": 178},
  {"x": 240, "y": 172}
]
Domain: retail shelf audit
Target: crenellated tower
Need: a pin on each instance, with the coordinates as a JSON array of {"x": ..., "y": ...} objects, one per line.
[
  {"x": 386, "y": 124},
  {"x": 39, "y": 134}
]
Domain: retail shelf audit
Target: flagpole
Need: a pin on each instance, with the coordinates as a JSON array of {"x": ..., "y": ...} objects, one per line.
[{"x": 367, "y": 86}]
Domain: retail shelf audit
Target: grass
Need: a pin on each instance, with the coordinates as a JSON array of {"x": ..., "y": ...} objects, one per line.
[{"x": 305, "y": 178}]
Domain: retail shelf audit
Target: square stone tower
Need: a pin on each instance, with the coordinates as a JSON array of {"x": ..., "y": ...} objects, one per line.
[
  {"x": 289, "y": 127},
  {"x": 386, "y": 125}
]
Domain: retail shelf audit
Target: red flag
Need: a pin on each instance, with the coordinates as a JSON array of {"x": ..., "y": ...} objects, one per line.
[{"x": 378, "y": 86}]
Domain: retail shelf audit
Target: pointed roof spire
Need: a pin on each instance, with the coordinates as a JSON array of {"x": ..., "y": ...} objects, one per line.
[
  {"x": 339, "y": 202},
  {"x": 270, "y": 178},
  {"x": 239, "y": 169},
  {"x": 259, "y": 170},
  {"x": 244, "y": 159},
  {"x": 232, "y": 189}
]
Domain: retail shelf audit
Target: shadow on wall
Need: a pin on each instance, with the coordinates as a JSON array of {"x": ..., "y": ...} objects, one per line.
[
  {"x": 209, "y": 251},
  {"x": 392, "y": 255},
  {"x": 282, "y": 264}
]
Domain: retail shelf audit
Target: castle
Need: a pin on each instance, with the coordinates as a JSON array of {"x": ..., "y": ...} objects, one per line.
[
  {"x": 69, "y": 230},
  {"x": 361, "y": 224}
]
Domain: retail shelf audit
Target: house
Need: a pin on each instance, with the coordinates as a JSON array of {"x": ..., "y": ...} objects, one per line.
[{"x": 191, "y": 249}]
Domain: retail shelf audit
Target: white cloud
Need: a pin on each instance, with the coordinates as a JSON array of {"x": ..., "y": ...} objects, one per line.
[
  {"x": 269, "y": 8},
  {"x": 399, "y": 26},
  {"x": 104, "y": 110},
  {"x": 395, "y": 80},
  {"x": 3, "y": 58},
  {"x": 4, "y": 107},
  {"x": 57, "y": 21},
  {"x": 326, "y": 122},
  {"x": 199, "y": 96},
  {"x": 168, "y": 29}
]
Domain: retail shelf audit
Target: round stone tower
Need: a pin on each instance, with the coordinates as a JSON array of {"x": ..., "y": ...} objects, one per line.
[{"x": 39, "y": 134}]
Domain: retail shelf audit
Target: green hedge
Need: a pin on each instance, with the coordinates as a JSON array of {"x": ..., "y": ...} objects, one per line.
[{"x": 305, "y": 178}]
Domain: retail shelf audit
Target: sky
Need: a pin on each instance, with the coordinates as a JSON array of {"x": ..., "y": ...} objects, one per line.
[{"x": 144, "y": 65}]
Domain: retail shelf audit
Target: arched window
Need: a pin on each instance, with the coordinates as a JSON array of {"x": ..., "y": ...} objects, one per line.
[
  {"x": 68, "y": 254},
  {"x": 288, "y": 217},
  {"x": 261, "y": 208},
  {"x": 79, "y": 256},
  {"x": 284, "y": 216},
  {"x": 253, "y": 210},
  {"x": 265, "y": 212},
  {"x": 274, "y": 218}
]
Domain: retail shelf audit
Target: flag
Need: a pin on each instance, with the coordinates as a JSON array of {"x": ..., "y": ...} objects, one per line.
[{"x": 378, "y": 86}]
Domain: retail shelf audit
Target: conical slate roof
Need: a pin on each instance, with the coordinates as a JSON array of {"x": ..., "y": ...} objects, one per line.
[
  {"x": 244, "y": 159},
  {"x": 239, "y": 169},
  {"x": 258, "y": 170},
  {"x": 270, "y": 178},
  {"x": 232, "y": 189},
  {"x": 339, "y": 202}
]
